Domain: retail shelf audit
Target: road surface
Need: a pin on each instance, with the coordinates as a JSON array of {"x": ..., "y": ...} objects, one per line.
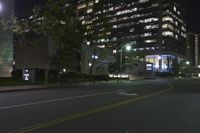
[{"x": 151, "y": 106}]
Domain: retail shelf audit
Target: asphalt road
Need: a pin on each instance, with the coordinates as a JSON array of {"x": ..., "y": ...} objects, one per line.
[{"x": 157, "y": 106}]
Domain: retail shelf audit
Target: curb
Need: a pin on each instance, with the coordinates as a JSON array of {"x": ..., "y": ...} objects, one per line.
[{"x": 24, "y": 88}]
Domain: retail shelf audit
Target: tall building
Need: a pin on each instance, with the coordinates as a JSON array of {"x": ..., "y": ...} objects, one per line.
[
  {"x": 6, "y": 40},
  {"x": 193, "y": 49},
  {"x": 156, "y": 28}
]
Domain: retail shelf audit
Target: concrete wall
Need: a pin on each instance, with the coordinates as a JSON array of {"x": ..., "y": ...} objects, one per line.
[{"x": 31, "y": 54}]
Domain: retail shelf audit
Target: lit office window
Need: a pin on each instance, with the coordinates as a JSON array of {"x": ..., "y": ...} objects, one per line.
[
  {"x": 81, "y": 6},
  {"x": 90, "y": 10},
  {"x": 147, "y": 34},
  {"x": 150, "y": 41},
  {"x": 165, "y": 26},
  {"x": 150, "y": 27},
  {"x": 143, "y": 1},
  {"x": 175, "y": 8},
  {"x": 131, "y": 30},
  {"x": 183, "y": 28},
  {"x": 91, "y": 3},
  {"x": 167, "y": 33},
  {"x": 168, "y": 18}
]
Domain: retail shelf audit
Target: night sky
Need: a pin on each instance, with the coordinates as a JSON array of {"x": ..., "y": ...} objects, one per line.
[
  {"x": 193, "y": 15},
  {"x": 192, "y": 8}
]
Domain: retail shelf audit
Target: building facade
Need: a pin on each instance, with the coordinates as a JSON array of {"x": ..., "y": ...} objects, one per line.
[
  {"x": 193, "y": 49},
  {"x": 6, "y": 40},
  {"x": 155, "y": 28}
]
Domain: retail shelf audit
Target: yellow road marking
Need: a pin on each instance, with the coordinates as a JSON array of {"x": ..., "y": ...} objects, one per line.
[{"x": 86, "y": 113}]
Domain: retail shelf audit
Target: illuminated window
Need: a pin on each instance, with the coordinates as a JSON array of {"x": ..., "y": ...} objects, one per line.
[
  {"x": 175, "y": 8},
  {"x": 88, "y": 43},
  {"x": 114, "y": 26},
  {"x": 149, "y": 20},
  {"x": 81, "y": 6},
  {"x": 147, "y": 34},
  {"x": 91, "y": 3},
  {"x": 168, "y": 18},
  {"x": 143, "y": 1},
  {"x": 89, "y": 10},
  {"x": 165, "y": 26},
  {"x": 150, "y": 27},
  {"x": 176, "y": 36},
  {"x": 131, "y": 30},
  {"x": 114, "y": 51},
  {"x": 150, "y": 41},
  {"x": 167, "y": 33}
]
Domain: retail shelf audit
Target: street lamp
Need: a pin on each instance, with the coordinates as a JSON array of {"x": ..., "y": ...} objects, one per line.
[
  {"x": 188, "y": 66},
  {"x": 128, "y": 48},
  {"x": 187, "y": 63},
  {"x": 64, "y": 70}
]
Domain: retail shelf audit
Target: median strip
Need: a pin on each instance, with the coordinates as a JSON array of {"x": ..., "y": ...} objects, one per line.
[{"x": 86, "y": 113}]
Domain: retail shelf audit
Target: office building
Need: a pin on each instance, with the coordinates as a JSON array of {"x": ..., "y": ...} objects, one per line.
[
  {"x": 155, "y": 28},
  {"x": 193, "y": 49},
  {"x": 6, "y": 40}
]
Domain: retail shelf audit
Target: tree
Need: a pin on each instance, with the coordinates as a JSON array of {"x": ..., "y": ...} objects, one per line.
[
  {"x": 175, "y": 66},
  {"x": 57, "y": 21},
  {"x": 134, "y": 57},
  {"x": 100, "y": 30},
  {"x": 114, "y": 67}
]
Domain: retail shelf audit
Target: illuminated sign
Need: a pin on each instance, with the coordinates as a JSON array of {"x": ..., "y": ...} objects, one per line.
[
  {"x": 26, "y": 75},
  {"x": 149, "y": 67}
]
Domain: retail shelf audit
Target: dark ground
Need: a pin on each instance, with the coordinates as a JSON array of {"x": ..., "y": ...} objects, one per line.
[{"x": 129, "y": 107}]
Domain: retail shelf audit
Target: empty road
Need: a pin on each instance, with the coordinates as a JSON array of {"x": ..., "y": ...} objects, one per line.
[{"x": 150, "y": 106}]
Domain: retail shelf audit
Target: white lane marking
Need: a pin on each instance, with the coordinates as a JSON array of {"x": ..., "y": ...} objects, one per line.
[
  {"x": 128, "y": 94},
  {"x": 57, "y": 100}
]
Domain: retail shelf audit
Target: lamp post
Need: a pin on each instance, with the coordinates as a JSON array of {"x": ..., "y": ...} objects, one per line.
[
  {"x": 188, "y": 65},
  {"x": 128, "y": 48}
]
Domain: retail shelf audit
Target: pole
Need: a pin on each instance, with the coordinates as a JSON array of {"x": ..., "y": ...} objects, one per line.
[{"x": 121, "y": 61}]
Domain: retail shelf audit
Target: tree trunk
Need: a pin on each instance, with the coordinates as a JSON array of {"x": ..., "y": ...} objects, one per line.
[{"x": 46, "y": 80}]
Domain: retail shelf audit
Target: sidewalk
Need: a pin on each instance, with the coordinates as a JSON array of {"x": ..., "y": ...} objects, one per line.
[
  {"x": 37, "y": 87},
  {"x": 20, "y": 88}
]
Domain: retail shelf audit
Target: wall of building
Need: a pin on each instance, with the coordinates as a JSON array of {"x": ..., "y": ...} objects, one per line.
[
  {"x": 156, "y": 26},
  {"x": 193, "y": 48},
  {"x": 6, "y": 40},
  {"x": 31, "y": 53}
]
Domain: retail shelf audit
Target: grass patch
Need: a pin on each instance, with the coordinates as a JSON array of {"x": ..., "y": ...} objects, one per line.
[{"x": 11, "y": 82}]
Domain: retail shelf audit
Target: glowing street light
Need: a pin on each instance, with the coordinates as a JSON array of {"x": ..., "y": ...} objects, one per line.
[
  {"x": 128, "y": 48},
  {"x": 187, "y": 63},
  {"x": 64, "y": 70}
]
